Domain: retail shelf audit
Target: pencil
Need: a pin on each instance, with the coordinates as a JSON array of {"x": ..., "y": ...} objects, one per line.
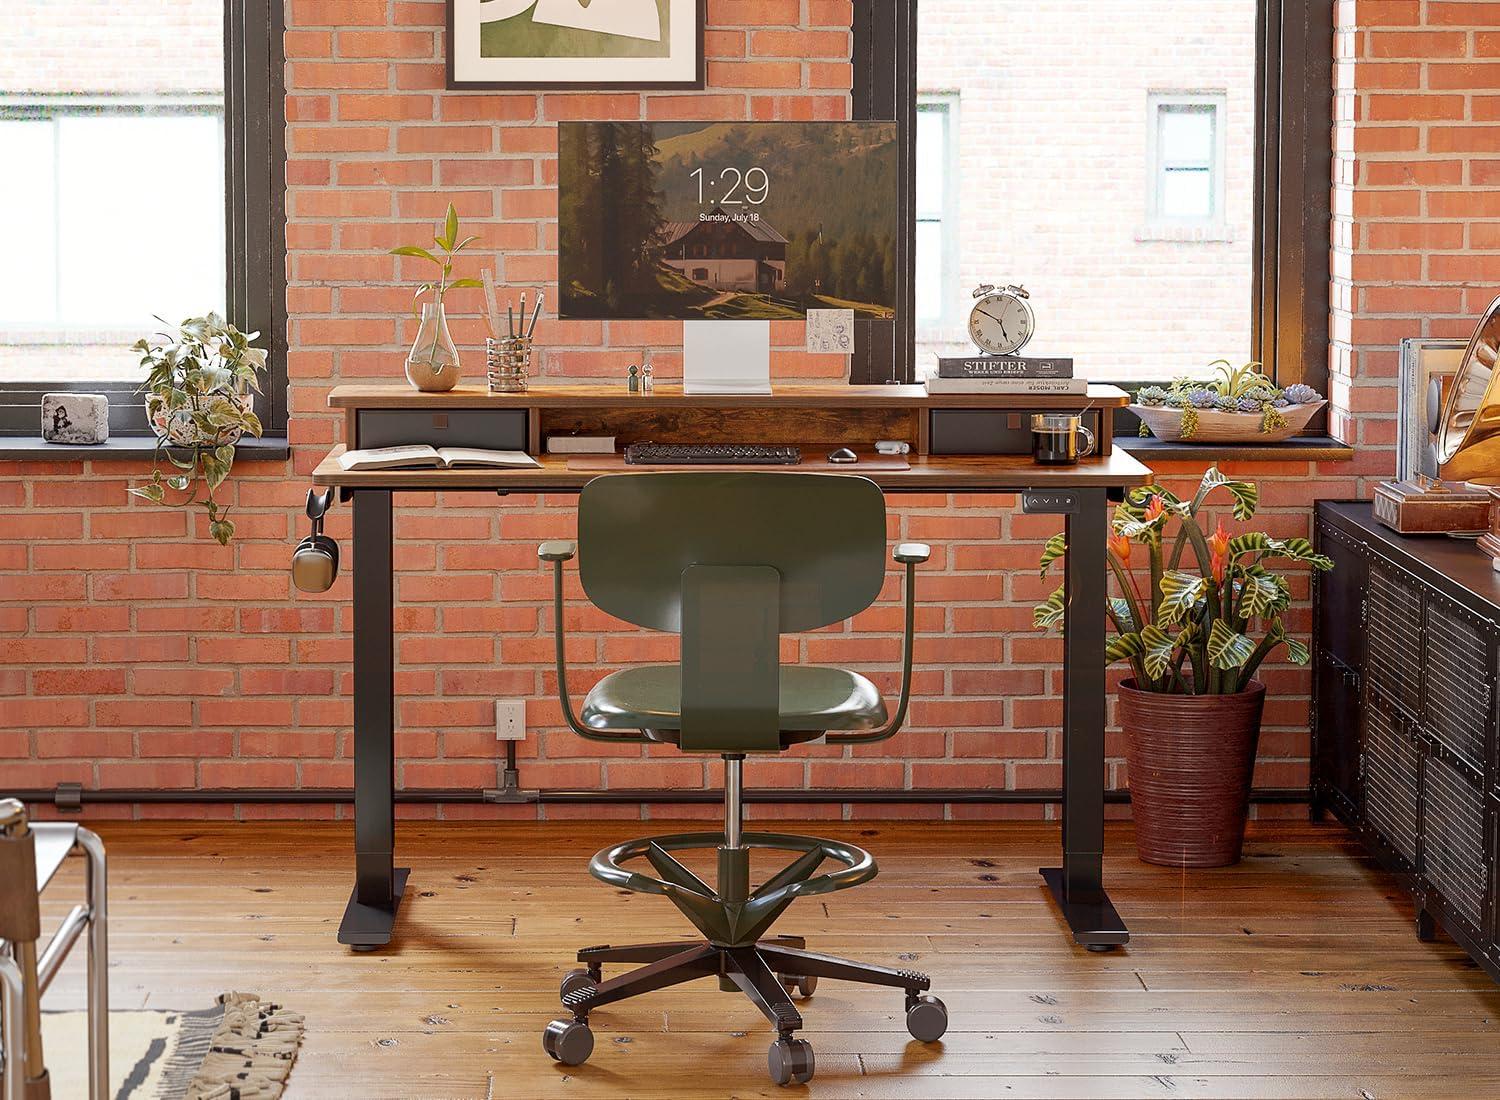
[{"x": 535, "y": 314}]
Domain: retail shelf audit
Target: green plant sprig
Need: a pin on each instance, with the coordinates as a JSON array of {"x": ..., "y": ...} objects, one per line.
[
  {"x": 1193, "y": 636},
  {"x": 199, "y": 373},
  {"x": 450, "y": 246}
]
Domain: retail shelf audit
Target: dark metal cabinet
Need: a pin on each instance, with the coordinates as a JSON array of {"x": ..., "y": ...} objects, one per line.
[{"x": 1406, "y": 652}]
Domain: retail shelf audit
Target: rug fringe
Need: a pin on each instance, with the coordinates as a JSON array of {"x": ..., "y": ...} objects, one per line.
[{"x": 247, "y": 1056}]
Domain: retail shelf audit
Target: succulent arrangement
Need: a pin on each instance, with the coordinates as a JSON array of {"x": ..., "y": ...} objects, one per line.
[{"x": 1245, "y": 390}]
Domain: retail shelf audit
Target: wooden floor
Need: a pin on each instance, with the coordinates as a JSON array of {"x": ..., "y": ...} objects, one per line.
[{"x": 1295, "y": 974}]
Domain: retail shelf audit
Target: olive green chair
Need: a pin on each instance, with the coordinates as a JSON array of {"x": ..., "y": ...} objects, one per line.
[{"x": 731, "y": 561}]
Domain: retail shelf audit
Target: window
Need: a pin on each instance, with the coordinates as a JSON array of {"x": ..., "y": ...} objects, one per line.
[
  {"x": 137, "y": 150},
  {"x": 1153, "y": 241},
  {"x": 937, "y": 287},
  {"x": 1186, "y": 186}
]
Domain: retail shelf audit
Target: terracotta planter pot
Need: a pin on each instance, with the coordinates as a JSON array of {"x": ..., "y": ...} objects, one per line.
[{"x": 1190, "y": 759}]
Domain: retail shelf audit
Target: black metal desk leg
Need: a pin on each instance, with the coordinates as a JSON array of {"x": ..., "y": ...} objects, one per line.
[
  {"x": 378, "y": 885},
  {"x": 1078, "y": 885}
]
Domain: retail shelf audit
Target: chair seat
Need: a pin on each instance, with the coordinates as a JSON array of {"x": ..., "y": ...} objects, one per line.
[{"x": 814, "y": 699}]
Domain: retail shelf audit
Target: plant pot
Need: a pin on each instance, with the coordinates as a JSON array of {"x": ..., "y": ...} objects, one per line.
[
  {"x": 432, "y": 366},
  {"x": 1224, "y": 427},
  {"x": 179, "y": 429},
  {"x": 1190, "y": 760}
]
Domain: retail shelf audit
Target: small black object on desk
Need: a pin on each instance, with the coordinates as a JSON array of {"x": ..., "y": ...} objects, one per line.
[{"x": 843, "y": 454}]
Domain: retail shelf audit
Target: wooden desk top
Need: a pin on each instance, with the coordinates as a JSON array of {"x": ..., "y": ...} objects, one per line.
[
  {"x": 362, "y": 396},
  {"x": 936, "y": 473}
]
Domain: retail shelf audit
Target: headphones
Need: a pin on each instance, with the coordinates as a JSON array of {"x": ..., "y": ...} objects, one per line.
[{"x": 315, "y": 562}]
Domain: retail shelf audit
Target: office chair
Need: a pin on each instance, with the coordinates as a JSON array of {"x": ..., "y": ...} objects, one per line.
[{"x": 731, "y": 561}]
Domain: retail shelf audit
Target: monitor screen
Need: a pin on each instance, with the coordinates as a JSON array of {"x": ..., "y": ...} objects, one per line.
[{"x": 726, "y": 220}]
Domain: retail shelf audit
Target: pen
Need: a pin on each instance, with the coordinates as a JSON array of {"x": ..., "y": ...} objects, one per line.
[
  {"x": 535, "y": 314},
  {"x": 510, "y": 319},
  {"x": 522, "y": 313}
]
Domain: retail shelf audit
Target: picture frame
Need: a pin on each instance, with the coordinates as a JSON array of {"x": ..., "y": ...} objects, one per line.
[
  {"x": 576, "y": 46},
  {"x": 1424, "y": 360}
]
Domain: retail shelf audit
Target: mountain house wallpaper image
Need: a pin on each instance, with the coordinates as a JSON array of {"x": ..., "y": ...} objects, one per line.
[{"x": 726, "y": 220}]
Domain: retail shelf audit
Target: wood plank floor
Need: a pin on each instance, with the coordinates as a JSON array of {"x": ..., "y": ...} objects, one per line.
[{"x": 1296, "y": 974}]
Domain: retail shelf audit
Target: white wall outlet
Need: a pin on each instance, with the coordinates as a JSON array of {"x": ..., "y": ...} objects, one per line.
[{"x": 510, "y": 719}]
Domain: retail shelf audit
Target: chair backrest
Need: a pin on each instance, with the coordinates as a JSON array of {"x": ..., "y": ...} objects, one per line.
[{"x": 824, "y": 534}]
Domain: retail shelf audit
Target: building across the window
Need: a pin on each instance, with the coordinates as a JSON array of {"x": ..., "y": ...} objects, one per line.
[{"x": 1121, "y": 195}]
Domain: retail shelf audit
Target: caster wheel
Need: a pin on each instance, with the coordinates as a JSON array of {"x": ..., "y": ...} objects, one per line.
[
  {"x": 927, "y": 1019},
  {"x": 363, "y": 948},
  {"x": 568, "y": 1041},
  {"x": 790, "y": 1061},
  {"x": 577, "y": 979},
  {"x": 800, "y": 986}
]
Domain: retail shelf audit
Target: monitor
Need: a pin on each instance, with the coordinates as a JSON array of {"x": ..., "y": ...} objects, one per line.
[{"x": 726, "y": 220}]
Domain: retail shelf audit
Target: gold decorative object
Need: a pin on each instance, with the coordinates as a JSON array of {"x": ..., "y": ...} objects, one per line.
[{"x": 1468, "y": 443}]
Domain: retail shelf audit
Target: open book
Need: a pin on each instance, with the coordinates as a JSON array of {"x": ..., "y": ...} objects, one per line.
[{"x": 418, "y": 455}]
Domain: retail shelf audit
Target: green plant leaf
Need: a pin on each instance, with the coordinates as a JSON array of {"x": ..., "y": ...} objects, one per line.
[
  {"x": 1259, "y": 596},
  {"x": 1049, "y": 612},
  {"x": 1123, "y": 614},
  {"x": 1296, "y": 652},
  {"x": 414, "y": 250},
  {"x": 1056, "y": 547},
  {"x": 222, "y": 530},
  {"x": 1180, "y": 593},
  {"x": 470, "y": 283},
  {"x": 1123, "y": 647},
  {"x": 151, "y": 491},
  {"x": 1293, "y": 549},
  {"x": 450, "y": 228},
  {"x": 1158, "y": 647},
  {"x": 1246, "y": 494},
  {"x": 1228, "y": 648}
]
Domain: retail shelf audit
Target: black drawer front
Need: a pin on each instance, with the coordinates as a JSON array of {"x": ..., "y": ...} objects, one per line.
[
  {"x": 1453, "y": 856},
  {"x": 1458, "y": 700},
  {"x": 988, "y": 431},
  {"x": 1392, "y": 773},
  {"x": 495, "y": 429},
  {"x": 1393, "y": 608}
]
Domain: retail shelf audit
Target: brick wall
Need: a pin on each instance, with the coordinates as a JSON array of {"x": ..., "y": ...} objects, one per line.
[{"x": 132, "y": 655}]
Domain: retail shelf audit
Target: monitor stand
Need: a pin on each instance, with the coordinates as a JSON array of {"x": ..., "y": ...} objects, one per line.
[{"x": 726, "y": 357}]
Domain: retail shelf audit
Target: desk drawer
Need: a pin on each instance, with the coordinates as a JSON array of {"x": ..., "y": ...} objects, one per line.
[
  {"x": 989, "y": 431},
  {"x": 495, "y": 429}
]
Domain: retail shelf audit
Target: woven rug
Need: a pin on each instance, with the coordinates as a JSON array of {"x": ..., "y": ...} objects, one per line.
[{"x": 241, "y": 1049}]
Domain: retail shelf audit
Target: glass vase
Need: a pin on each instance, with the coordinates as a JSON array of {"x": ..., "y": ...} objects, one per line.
[{"x": 432, "y": 366}]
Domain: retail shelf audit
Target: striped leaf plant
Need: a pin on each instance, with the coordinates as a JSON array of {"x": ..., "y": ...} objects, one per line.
[{"x": 1197, "y": 633}]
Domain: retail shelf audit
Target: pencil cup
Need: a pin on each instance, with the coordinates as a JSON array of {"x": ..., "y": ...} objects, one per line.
[{"x": 508, "y": 360}]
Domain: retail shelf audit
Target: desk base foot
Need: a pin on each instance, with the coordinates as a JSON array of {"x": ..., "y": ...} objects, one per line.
[
  {"x": 366, "y": 927},
  {"x": 1096, "y": 925}
]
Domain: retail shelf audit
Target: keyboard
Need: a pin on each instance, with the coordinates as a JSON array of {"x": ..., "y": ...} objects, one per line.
[{"x": 711, "y": 454}]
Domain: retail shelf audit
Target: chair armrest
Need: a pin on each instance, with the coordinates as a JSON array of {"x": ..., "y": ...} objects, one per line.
[
  {"x": 908, "y": 554},
  {"x": 558, "y": 552}
]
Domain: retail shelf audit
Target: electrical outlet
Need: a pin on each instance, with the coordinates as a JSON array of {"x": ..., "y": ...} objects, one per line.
[{"x": 510, "y": 719}]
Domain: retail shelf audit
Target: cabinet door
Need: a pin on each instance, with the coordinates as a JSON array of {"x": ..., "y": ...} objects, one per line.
[
  {"x": 1392, "y": 779},
  {"x": 1394, "y": 653},
  {"x": 1339, "y": 595},
  {"x": 1337, "y": 721},
  {"x": 1453, "y": 839},
  {"x": 1458, "y": 688}
]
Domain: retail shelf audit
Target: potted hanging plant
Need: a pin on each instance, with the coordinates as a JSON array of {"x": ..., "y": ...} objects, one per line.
[
  {"x": 432, "y": 366},
  {"x": 198, "y": 401},
  {"x": 1191, "y": 709}
]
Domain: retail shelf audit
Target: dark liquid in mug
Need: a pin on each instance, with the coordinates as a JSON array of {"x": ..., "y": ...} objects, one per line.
[{"x": 1054, "y": 447}]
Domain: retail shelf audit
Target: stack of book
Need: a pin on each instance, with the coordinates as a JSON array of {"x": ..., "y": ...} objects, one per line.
[{"x": 1006, "y": 374}]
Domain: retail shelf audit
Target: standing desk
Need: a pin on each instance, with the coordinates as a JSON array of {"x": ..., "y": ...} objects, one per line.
[{"x": 814, "y": 417}]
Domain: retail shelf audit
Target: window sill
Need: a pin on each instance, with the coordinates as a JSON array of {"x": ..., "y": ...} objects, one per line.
[
  {"x": 1304, "y": 448},
  {"x": 269, "y": 448},
  {"x": 1185, "y": 233}
]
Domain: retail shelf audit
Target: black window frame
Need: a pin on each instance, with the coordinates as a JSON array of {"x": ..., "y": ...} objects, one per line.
[
  {"x": 254, "y": 238},
  {"x": 1292, "y": 185}
]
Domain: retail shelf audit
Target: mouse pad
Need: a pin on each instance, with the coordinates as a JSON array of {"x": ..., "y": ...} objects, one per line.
[{"x": 814, "y": 460}]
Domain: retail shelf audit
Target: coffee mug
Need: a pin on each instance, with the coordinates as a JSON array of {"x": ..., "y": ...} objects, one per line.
[{"x": 1054, "y": 439}]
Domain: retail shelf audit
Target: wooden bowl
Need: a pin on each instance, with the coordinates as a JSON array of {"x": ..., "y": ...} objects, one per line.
[{"x": 1223, "y": 427}]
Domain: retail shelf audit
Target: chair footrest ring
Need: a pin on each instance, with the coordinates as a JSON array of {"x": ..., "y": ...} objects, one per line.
[{"x": 797, "y": 879}]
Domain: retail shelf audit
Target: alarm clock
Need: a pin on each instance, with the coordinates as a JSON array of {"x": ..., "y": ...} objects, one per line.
[{"x": 1001, "y": 322}]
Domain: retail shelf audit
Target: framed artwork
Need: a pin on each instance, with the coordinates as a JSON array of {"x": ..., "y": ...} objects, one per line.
[
  {"x": 578, "y": 44},
  {"x": 1428, "y": 367}
]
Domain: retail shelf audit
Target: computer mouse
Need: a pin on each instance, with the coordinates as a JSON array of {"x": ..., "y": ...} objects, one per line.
[{"x": 843, "y": 454}]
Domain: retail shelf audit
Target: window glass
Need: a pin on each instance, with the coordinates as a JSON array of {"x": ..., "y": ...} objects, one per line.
[
  {"x": 113, "y": 149},
  {"x": 1130, "y": 227}
]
